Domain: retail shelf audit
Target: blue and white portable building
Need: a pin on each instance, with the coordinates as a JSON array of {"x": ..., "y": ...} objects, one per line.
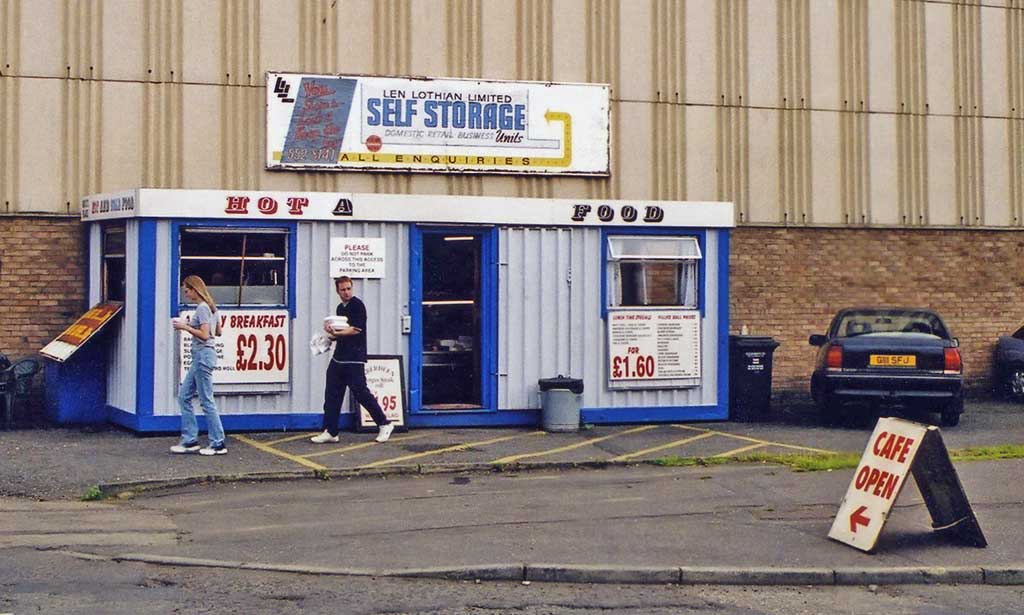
[{"x": 480, "y": 297}]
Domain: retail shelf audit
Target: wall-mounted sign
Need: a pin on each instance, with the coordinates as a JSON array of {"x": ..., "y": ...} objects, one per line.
[
  {"x": 386, "y": 380},
  {"x": 653, "y": 344},
  {"x": 113, "y": 205},
  {"x": 896, "y": 449},
  {"x": 427, "y": 208},
  {"x": 357, "y": 257},
  {"x": 326, "y": 122},
  {"x": 253, "y": 347},
  {"x": 79, "y": 332}
]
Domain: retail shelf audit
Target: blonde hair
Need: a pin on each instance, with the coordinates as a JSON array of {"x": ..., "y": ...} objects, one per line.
[{"x": 198, "y": 286}]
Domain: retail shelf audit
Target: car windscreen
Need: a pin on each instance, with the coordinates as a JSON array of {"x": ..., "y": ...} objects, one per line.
[{"x": 862, "y": 322}]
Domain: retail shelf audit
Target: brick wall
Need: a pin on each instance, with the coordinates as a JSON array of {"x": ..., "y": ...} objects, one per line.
[
  {"x": 42, "y": 280},
  {"x": 787, "y": 283}
]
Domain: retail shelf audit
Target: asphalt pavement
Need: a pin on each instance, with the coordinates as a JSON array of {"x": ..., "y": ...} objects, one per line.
[{"x": 513, "y": 504}]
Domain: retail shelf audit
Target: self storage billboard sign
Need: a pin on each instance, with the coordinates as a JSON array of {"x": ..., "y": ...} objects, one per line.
[{"x": 325, "y": 122}]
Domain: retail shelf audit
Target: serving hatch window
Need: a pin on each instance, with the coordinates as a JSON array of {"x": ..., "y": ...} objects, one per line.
[
  {"x": 648, "y": 271},
  {"x": 239, "y": 266},
  {"x": 114, "y": 262}
]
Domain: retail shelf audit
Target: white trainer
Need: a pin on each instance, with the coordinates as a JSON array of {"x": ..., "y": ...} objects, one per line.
[
  {"x": 323, "y": 438},
  {"x": 180, "y": 449},
  {"x": 384, "y": 432}
]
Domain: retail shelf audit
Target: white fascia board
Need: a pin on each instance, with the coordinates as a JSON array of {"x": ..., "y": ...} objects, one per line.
[{"x": 434, "y": 209}]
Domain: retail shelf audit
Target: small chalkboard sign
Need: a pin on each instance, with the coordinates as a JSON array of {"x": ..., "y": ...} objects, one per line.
[{"x": 385, "y": 377}]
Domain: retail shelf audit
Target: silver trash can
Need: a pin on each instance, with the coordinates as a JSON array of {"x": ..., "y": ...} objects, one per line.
[{"x": 561, "y": 398}]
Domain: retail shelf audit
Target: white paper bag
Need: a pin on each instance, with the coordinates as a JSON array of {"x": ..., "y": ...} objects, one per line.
[{"x": 320, "y": 343}]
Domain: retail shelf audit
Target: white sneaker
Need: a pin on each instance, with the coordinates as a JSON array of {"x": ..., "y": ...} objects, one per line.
[
  {"x": 179, "y": 449},
  {"x": 323, "y": 438},
  {"x": 209, "y": 451},
  {"x": 385, "y": 432}
]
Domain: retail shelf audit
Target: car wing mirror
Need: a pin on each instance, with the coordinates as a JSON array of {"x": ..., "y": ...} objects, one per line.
[{"x": 816, "y": 340}]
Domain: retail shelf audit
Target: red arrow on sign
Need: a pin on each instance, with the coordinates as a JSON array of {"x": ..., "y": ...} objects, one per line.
[{"x": 857, "y": 518}]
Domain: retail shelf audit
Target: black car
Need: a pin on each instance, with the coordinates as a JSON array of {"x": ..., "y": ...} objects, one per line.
[
  {"x": 1009, "y": 365},
  {"x": 888, "y": 356}
]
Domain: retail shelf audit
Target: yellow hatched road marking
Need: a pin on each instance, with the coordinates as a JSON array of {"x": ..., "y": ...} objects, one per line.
[
  {"x": 662, "y": 447},
  {"x": 273, "y": 451},
  {"x": 355, "y": 447},
  {"x": 291, "y": 438},
  {"x": 742, "y": 449},
  {"x": 570, "y": 447},
  {"x": 765, "y": 442},
  {"x": 447, "y": 449}
]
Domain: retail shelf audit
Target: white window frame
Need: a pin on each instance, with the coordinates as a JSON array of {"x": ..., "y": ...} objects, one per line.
[
  {"x": 107, "y": 258},
  {"x": 622, "y": 249}
]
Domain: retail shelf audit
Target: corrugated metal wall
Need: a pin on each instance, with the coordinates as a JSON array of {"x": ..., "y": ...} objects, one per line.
[
  {"x": 534, "y": 318},
  {"x": 550, "y": 321},
  {"x": 315, "y": 298},
  {"x": 802, "y": 112}
]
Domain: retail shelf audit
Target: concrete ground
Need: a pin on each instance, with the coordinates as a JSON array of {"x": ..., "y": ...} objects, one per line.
[{"x": 504, "y": 504}]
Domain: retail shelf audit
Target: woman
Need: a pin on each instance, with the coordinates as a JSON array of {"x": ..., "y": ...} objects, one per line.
[{"x": 203, "y": 326}]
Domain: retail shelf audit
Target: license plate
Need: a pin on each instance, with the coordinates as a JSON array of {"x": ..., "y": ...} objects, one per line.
[{"x": 892, "y": 360}]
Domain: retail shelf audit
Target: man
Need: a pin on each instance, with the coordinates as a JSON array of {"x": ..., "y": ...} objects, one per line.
[{"x": 348, "y": 367}]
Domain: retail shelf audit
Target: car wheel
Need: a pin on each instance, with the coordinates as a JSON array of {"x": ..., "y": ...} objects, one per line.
[
  {"x": 826, "y": 408},
  {"x": 1015, "y": 383},
  {"x": 951, "y": 413}
]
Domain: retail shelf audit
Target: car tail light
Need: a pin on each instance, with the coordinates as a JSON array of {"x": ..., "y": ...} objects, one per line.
[
  {"x": 834, "y": 357},
  {"x": 952, "y": 364}
]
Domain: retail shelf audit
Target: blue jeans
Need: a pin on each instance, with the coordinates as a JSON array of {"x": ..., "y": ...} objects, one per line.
[{"x": 199, "y": 380}]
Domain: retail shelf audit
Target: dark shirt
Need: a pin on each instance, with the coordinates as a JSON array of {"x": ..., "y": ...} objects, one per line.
[{"x": 352, "y": 348}]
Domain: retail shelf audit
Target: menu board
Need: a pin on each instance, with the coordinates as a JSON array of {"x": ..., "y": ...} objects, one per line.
[
  {"x": 252, "y": 347},
  {"x": 653, "y": 344},
  {"x": 386, "y": 380}
]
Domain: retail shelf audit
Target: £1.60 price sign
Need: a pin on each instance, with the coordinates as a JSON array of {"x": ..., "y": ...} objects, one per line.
[
  {"x": 653, "y": 344},
  {"x": 633, "y": 364},
  {"x": 253, "y": 347}
]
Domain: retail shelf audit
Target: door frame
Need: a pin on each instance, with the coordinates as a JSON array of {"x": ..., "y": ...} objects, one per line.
[{"x": 488, "y": 307}]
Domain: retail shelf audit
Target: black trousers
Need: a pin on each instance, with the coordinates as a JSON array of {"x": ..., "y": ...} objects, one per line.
[{"x": 352, "y": 376}]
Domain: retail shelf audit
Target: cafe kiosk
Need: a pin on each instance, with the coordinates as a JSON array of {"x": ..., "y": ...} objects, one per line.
[{"x": 471, "y": 301}]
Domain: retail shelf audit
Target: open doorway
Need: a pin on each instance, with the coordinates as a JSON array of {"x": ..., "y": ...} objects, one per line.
[
  {"x": 453, "y": 331},
  {"x": 451, "y": 321}
]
